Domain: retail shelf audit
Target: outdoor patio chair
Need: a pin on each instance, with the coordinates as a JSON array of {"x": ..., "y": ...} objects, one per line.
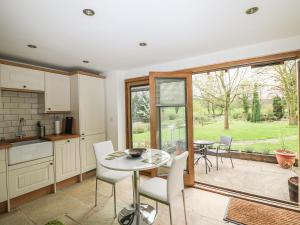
[{"x": 223, "y": 148}]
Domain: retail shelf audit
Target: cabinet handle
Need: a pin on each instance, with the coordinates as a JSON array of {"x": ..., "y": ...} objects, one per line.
[
  {"x": 51, "y": 163},
  {"x": 49, "y": 108},
  {"x": 68, "y": 140},
  {"x": 24, "y": 86},
  {"x": 82, "y": 139},
  {"x": 82, "y": 134}
]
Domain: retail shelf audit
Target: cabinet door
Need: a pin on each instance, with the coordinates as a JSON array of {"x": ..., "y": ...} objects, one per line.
[
  {"x": 3, "y": 189},
  {"x": 91, "y": 105},
  {"x": 30, "y": 178},
  {"x": 67, "y": 159},
  {"x": 88, "y": 159},
  {"x": 14, "y": 77},
  {"x": 57, "y": 92}
]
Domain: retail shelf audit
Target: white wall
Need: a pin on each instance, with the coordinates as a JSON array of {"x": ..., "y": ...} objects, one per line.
[
  {"x": 115, "y": 111},
  {"x": 115, "y": 88}
]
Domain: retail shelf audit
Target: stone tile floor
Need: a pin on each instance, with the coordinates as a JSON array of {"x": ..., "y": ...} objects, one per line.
[
  {"x": 75, "y": 206},
  {"x": 265, "y": 179}
]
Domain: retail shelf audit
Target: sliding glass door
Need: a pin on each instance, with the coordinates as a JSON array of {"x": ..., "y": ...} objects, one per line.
[{"x": 171, "y": 117}]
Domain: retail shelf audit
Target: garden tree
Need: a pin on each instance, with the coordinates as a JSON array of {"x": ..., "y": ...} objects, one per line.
[
  {"x": 255, "y": 105},
  {"x": 278, "y": 107},
  {"x": 285, "y": 75},
  {"x": 245, "y": 91},
  {"x": 222, "y": 87},
  {"x": 141, "y": 106}
]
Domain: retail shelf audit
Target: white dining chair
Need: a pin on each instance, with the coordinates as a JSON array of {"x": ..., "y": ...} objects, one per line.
[
  {"x": 164, "y": 191},
  {"x": 109, "y": 176}
]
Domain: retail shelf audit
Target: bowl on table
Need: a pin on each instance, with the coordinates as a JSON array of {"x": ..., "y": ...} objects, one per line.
[{"x": 136, "y": 152}]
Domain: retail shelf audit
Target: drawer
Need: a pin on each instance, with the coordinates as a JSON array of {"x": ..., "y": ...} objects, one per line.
[{"x": 30, "y": 178}]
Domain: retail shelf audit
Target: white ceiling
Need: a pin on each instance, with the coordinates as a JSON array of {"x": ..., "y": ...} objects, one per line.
[{"x": 173, "y": 29}]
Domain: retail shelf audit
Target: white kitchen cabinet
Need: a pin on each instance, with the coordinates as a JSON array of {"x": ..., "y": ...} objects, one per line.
[
  {"x": 88, "y": 104},
  {"x": 13, "y": 77},
  {"x": 3, "y": 189},
  {"x": 88, "y": 159},
  {"x": 67, "y": 159},
  {"x": 30, "y": 176},
  {"x": 57, "y": 92}
]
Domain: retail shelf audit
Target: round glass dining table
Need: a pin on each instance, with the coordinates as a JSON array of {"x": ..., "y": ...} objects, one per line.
[{"x": 138, "y": 213}]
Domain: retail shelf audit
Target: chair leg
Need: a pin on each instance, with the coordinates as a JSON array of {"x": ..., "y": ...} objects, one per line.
[
  {"x": 217, "y": 155},
  {"x": 112, "y": 191},
  {"x": 156, "y": 207},
  {"x": 96, "y": 192},
  {"x": 133, "y": 195},
  {"x": 115, "y": 207},
  {"x": 221, "y": 158},
  {"x": 231, "y": 161},
  {"x": 170, "y": 212},
  {"x": 183, "y": 199}
]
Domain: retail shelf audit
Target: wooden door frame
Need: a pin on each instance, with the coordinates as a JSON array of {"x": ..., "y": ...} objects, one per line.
[
  {"x": 129, "y": 83},
  {"x": 188, "y": 178}
]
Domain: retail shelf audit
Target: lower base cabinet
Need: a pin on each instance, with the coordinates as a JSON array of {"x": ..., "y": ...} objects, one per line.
[
  {"x": 3, "y": 189},
  {"x": 27, "y": 177},
  {"x": 88, "y": 158},
  {"x": 67, "y": 159}
]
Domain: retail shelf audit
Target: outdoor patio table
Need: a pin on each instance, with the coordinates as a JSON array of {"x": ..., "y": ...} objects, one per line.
[
  {"x": 150, "y": 159},
  {"x": 205, "y": 144}
]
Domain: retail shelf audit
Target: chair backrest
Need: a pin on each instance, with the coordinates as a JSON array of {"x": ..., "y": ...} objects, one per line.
[
  {"x": 101, "y": 150},
  {"x": 226, "y": 140},
  {"x": 175, "y": 178}
]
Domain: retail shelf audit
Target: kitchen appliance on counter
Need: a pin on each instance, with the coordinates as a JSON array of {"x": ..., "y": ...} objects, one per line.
[
  {"x": 41, "y": 129},
  {"x": 57, "y": 126},
  {"x": 69, "y": 124}
]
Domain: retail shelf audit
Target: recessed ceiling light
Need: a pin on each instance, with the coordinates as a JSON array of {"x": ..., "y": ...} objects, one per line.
[
  {"x": 143, "y": 44},
  {"x": 31, "y": 46},
  {"x": 88, "y": 12},
  {"x": 251, "y": 10},
  {"x": 85, "y": 61}
]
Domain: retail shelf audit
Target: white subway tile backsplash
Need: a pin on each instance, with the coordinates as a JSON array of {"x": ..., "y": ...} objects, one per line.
[
  {"x": 17, "y": 99},
  {"x": 24, "y": 94},
  {"x": 11, "y": 117},
  {"x": 15, "y": 105}
]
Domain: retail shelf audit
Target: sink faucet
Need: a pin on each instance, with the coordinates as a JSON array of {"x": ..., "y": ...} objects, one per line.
[{"x": 20, "y": 133}]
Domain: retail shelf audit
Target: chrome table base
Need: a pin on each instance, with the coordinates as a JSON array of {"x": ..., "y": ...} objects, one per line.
[{"x": 128, "y": 216}]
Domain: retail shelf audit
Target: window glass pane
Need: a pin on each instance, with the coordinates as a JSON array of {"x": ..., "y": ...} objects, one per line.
[
  {"x": 170, "y": 91},
  {"x": 140, "y": 115}
]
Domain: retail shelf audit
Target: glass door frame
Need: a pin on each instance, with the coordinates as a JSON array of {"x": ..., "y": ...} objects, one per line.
[
  {"x": 189, "y": 178},
  {"x": 130, "y": 83}
]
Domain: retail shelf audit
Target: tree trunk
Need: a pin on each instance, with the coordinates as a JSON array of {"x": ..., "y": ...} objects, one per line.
[
  {"x": 226, "y": 117},
  {"x": 292, "y": 109}
]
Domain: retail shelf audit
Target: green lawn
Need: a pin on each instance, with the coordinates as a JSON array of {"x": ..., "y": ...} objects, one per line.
[{"x": 240, "y": 131}]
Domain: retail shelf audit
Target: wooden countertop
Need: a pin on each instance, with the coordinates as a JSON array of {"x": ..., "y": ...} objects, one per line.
[
  {"x": 53, "y": 137},
  {"x": 4, "y": 145}
]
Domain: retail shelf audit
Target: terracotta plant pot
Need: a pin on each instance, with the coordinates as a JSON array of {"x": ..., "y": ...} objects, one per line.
[
  {"x": 285, "y": 158},
  {"x": 293, "y": 189}
]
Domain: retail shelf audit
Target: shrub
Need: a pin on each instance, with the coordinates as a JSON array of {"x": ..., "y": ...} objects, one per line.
[
  {"x": 172, "y": 116},
  {"x": 139, "y": 128},
  {"x": 237, "y": 116},
  {"x": 249, "y": 149}
]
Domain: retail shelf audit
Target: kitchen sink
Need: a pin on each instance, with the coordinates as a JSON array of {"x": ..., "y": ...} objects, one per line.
[{"x": 24, "y": 151}]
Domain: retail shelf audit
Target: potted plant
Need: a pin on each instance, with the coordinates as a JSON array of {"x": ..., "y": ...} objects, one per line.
[
  {"x": 285, "y": 158},
  {"x": 293, "y": 187}
]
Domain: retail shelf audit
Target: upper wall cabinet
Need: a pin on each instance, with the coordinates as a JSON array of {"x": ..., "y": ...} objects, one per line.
[
  {"x": 57, "y": 92},
  {"x": 88, "y": 104},
  {"x": 13, "y": 77}
]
